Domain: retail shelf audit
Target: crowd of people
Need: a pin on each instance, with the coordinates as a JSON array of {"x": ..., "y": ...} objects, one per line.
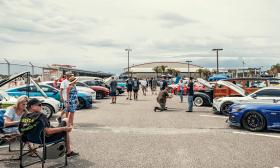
[{"x": 133, "y": 86}]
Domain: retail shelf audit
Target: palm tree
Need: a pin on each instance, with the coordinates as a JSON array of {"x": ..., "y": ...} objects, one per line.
[
  {"x": 275, "y": 69},
  {"x": 157, "y": 70},
  {"x": 163, "y": 69},
  {"x": 206, "y": 73},
  {"x": 200, "y": 71}
]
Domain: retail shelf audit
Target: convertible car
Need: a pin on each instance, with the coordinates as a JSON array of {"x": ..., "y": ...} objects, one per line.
[{"x": 256, "y": 117}]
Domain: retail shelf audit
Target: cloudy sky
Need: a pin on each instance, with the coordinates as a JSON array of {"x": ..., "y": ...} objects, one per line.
[{"x": 92, "y": 34}]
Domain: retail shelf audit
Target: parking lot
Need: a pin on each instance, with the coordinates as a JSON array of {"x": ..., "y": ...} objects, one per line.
[{"x": 130, "y": 134}]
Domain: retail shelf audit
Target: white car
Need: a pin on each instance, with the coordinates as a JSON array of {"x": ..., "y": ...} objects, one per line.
[
  {"x": 49, "y": 105},
  {"x": 264, "y": 95},
  {"x": 81, "y": 88}
]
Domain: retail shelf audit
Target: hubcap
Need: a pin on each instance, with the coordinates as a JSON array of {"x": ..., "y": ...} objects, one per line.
[
  {"x": 198, "y": 101},
  {"x": 254, "y": 121}
]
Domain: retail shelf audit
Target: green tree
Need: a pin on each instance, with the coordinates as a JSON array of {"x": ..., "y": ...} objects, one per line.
[
  {"x": 163, "y": 69},
  {"x": 157, "y": 70}
]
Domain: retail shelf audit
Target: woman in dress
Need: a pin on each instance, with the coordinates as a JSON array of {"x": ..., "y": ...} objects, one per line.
[{"x": 72, "y": 99}]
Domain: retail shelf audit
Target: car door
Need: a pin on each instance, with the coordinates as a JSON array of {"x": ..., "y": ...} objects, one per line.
[{"x": 273, "y": 115}]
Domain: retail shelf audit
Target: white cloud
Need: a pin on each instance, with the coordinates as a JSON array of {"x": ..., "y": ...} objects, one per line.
[{"x": 94, "y": 34}]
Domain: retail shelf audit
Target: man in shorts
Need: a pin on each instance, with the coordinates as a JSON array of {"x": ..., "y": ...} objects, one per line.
[
  {"x": 113, "y": 90},
  {"x": 161, "y": 99},
  {"x": 144, "y": 86},
  {"x": 34, "y": 106},
  {"x": 63, "y": 94},
  {"x": 135, "y": 88},
  {"x": 129, "y": 84}
]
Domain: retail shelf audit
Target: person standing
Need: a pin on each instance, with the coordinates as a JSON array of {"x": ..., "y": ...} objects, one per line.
[
  {"x": 190, "y": 95},
  {"x": 161, "y": 99},
  {"x": 154, "y": 86},
  {"x": 136, "y": 85},
  {"x": 72, "y": 99},
  {"x": 181, "y": 86},
  {"x": 113, "y": 90},
  {"x": 144, "y": 86},
  {"x": 63, "y": 95},
  {"x": 129, "y": 84},
  {"x": 164, "y": 83}
]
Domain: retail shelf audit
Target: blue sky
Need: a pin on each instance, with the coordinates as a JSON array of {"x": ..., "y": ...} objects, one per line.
[{"x": 93, "y": 34}]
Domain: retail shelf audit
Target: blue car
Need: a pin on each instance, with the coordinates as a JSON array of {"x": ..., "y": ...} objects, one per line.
[
  {"x": 255, "y": 117},
  {"x": 85, "y": 99}
]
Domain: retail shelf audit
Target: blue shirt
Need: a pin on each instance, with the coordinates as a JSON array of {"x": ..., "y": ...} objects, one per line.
[{"x": 11, "y": 114}]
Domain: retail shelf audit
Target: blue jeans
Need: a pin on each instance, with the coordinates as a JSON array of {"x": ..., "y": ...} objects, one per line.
[
  {"x": 190, "y": 103},
  {"x": 181, "y": 95}
]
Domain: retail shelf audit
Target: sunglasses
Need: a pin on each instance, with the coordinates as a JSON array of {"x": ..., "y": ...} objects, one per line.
[{"x": 39, "y": 105}]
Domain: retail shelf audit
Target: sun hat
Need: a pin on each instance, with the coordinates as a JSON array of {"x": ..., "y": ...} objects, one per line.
[{"x": 73, "y": 79}]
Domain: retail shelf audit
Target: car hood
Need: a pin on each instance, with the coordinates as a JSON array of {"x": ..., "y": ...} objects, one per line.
[
  {"x": 233, "y": 87},
  {"x": 234, "y": 98},
  {"x": 204, "y": 82},
  {"x": 85, "y": 89},
  {"x": 267, "y": 106}
]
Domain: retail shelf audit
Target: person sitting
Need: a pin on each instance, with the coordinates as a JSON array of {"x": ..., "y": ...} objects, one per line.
[
  {"x": 13, "y": 115},
  {"x": 34, "y": 107}
]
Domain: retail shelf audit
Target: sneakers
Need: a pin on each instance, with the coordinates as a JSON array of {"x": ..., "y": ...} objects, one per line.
[
  {"x": 72, "y": 154},
  {"x": 59, "y": 120}
]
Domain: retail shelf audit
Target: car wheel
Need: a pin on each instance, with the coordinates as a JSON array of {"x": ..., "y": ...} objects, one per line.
[
  {"x": 225, "y": 108},
  {"x": 99, "y": 95},
  {"x": 198, "y": 101},
  {"x": 254, "y": 121},
  {"x": 82, "y": 103},
  {"x": 48, "y": 110}
]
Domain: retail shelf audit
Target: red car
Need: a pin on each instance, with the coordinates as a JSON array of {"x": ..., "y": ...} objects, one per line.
[
  {"x": 101, "y": 91},
  {"x": 176, "y": 88}
]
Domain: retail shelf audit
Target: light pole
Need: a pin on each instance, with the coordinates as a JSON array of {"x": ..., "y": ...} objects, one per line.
[
  {"x": 128, "y": 50},
  {"x": 217, "y": 50},
  {"x": 189, "y": 67}
]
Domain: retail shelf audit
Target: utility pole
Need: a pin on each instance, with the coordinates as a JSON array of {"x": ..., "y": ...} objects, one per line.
[
  {"x": 32, "y": 66},
  {"x": 189, "y": 67},
  {"x": 243, "y": 63},
  {"x": 9, "y": 67},
  {"x": 217, "y": 51},
  {"x": 128, "y": 50}
]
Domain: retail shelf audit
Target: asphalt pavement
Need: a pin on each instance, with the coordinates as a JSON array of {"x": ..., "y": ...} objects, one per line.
[{"x": 130, "y": 134}]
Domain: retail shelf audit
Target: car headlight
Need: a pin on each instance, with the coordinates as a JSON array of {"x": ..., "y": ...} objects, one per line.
[{"x": 237, "y": 108}]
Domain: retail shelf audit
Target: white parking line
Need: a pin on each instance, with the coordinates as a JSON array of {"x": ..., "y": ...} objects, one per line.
[
  {"x": 256, "y": 134},
  {"x": 213, "y": 116}
]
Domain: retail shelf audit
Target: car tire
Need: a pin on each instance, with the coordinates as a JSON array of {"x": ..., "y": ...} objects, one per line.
[
  {"x": 254, "y": 121},
  {"x": 99, "y": 95},
  {"x": 48, "y": 110},
  {"x": 198, "y": 101},
  {"x": 82, "y": 103},
  {"x": 225, "y": 108}
]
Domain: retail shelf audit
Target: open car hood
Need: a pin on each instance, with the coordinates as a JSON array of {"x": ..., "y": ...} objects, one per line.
[
  {"x": 204, "y": 82},
  {"x": 25, "y": 75},
  {"x": 232, "y": 86}
]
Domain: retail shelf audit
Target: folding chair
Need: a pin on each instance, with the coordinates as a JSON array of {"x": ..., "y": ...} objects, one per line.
[{"x": 51, "y": 150}]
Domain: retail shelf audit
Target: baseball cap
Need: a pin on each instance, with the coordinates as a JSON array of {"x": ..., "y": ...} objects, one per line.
[{"x": 33, "y": 101}]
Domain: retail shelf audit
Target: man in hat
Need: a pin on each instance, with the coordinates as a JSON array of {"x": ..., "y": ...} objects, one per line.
[
  {"x": 63, "y": 94},
  {"x": 190, "y": 95},
  {"x": 34, "y": 106}
]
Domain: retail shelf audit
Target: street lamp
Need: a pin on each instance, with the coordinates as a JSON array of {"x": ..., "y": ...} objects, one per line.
[
  {"x": 217, "y": 50},
  {"x": 189, "y": 67},
  {"x": 128, "y": 50}
]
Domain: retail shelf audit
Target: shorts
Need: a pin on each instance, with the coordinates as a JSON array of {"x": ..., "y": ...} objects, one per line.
[
  {"x": 135, "y": 90},
  {"x": 129, "y": 89},
  {"x": 113, "y": 94},
  {"x": 55, "y": 137}
]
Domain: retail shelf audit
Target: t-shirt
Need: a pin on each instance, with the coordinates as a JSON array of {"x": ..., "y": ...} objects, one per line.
[
  {"x": 164, "y": 84},
  {"x": 154, "y": 83},
  {"x": 190, "y": 89},
  {"x": 144, "y": 83},
  {"x": 129, "y": 83},
  {"x": 11, "y": 114},
  {"x": 182, "y": 85},
  {"x": 136, "y": 85},
  {"x": 162, "y": 96},
  {"x": 64, "y": 85},
  {"x": 113, "y": 86}
]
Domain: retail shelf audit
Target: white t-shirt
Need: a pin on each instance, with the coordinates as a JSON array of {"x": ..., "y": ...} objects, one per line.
[
  {"x": 144, "y": 83},
  {"x": 64, "y": 85}
]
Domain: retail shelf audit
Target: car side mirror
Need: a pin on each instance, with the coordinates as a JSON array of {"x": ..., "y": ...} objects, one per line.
[{"x": 254, "y": 96}]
